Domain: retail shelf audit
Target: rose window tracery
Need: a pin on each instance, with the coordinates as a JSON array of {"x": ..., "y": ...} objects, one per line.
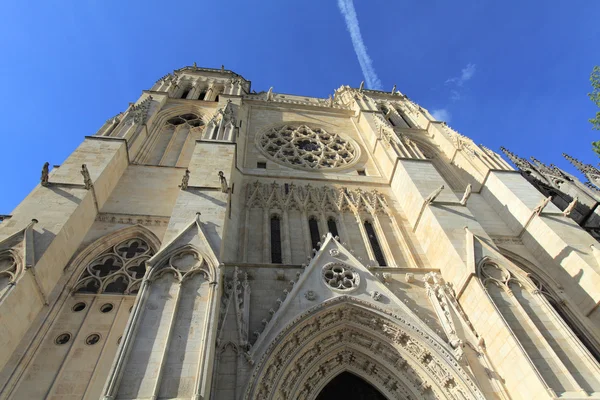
[
  {"x": 340, "y": 276},
  {"x": 118, "y": 270},
  {"x": 305, "y": 147}
]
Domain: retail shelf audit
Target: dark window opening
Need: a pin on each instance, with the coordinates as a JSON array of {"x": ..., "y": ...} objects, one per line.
[
  {"x": 362, "y": 172},
  {"x": 262, "y": 165},
  {"x": 349, "y": 386},
  {"x": 275, "y": 240},
  {"x": 287, "y": 188},
  {"x": 374, "y": 244},
  {"x": 313, "y": 226},
  {"x": 185, "y": 94},
  {"x": 217, "y": 98},
  {"x": 406, "y": 120},
  {"x": 202, "y": 95},
  {"x": 332, "y": 226},
  {"x": 391, "y": 122}
]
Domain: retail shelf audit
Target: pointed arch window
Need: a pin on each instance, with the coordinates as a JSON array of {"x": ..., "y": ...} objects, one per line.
[
  {"x": 275, "y": 240},
  {"x": 332, "y": 226},
  {"x": 185, "y": 93},
  {"x": 374, "y": 243},
  {"x": 313, "y": 227},
  {"x": 202, "y": 95}
]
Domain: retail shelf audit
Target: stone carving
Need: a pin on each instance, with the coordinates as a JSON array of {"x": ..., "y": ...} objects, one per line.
[
  {"x": 540, "y": 207},
  {"x": 139, "y": 113},
  {"x": 467, "y": 194},
  {"x": 270, "y": 94},
  {"x": 375, "y": 295},
  {"x": 87, "y": 180},
  {"x": 387, "y": 277},
  {"x": 310, "y": 295},
  {"x": 223, "y": 181},
  {"x": 44, "y": 179},
  {"x": 409, "y": 277},
  {"x": 334, "y": 252},
  {"x": 362, "y": 85},
  {"x": 300, "y": 146},
  {"x": 434, "y": 195},
  {"x": 120, "y": 269},
  {"x": 438, "y": 291},
  {"x": 185, "y": 180},
  {"x": 241, "y": 295},
  {"x": 340, "y": 276},
  {"x": 567, "y": 212},
  {"x": 296, "y": 366},
  {"x": 132, "y": 219},
  {"x": 315, "y": 198}
]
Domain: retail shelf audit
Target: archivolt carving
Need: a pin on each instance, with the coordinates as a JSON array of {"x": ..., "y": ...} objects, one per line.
[
  {"x": 118, "y": 270},
  {"x": 314, "y": 198},
  {"x": 346, "y": 333},
  {"x": 300, "y": 146}
]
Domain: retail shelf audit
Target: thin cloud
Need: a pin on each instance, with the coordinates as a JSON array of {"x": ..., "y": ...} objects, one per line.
[
  {"x": 441, "y": 114},
  {"x": 465, "y": 75},
  {"x": 366, "y": 64}
]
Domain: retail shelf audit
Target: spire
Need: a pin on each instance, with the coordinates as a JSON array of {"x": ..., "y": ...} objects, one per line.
[
  {"x": 585, "y": 168},
  {"x": 521, "y": 163}
]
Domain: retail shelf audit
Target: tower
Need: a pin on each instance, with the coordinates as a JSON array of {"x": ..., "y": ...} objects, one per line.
[{"x": 214, "y": 243}]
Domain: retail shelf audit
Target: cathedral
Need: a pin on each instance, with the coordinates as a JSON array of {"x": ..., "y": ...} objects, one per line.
[{"x": 215, "y": 243}]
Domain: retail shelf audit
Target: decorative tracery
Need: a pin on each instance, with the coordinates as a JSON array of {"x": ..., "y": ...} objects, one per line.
[
  {"x": 118, "y": 270},
  {"x": 307, "y": 148},
  {"x": 8, "y": 271},
  {"x": 340, "y": 276}
]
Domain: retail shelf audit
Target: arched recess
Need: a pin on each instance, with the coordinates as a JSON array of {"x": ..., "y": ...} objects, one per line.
[
  {"x": 553, "y": 293},
  {"x": 168, "y": 345},
  {"x": 171, "y": 139},
  {"x": 346, "y": 334},
  {"x": 447, "y": 170},
  {"x": 564, "y": 364},
  {"x": 11, "y": 269},
  {"x": 80, "y": 325}
]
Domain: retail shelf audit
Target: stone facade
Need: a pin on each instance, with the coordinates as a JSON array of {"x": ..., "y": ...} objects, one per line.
[{"x": 215, "y": 243}]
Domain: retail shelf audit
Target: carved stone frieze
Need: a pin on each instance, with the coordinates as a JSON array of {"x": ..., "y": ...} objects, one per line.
[
  {"x": 133, "y": 219},
  {"x": 314, "y": 198}
]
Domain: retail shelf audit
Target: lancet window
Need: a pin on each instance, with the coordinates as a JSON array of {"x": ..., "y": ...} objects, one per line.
[
  {"x": 275, "y": 240},
  {"x": 313, "y": 227},
  {"x": 374, "y": 243},
  {"x": 542, "y": 330},
  {"x": 332, "y": 226},
  {"x": 119, "y": 270},
  {"x": 169, "y": 146}
]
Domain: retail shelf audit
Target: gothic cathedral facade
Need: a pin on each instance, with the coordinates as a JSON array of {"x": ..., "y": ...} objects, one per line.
[{"x": 211, "y": 242}]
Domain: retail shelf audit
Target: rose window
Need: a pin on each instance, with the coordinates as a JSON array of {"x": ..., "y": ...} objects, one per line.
[
  {"x": 304, "y": 147},
  {"x": 340, "y": 276}
]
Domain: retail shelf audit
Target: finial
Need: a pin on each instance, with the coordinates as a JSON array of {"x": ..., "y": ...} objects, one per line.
[
  {"x": 195, "y": 65},
  {"x": 87, "y": 180},
  {"x": 270, "y": 94},
  {"x": 222, "y": 68},
  {"x": 362, "y": 85},
  {"x": 433, "y": 195},
  {"x": 394, "y": 89}
]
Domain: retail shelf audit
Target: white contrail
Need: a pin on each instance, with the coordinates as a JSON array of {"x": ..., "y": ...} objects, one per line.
[{"x": 366, "y": 65}]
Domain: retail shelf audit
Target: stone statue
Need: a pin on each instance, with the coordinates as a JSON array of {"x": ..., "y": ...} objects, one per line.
[
  {"x": 567, "y": 212},
  {"x": 185, "y": 180},
  {"x": 270, "y": 94},
  {"x": 223, "y": 180},
  {"x": 540, "y": 207},
  {"x": 87, "y": 180},
  {"x": 467, "y": 194},
  {"x": 45, "y": 174},
  {"x": 433, "y": 195}
]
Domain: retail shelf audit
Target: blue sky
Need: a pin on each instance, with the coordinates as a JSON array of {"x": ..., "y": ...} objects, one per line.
[{"x": 511, "y": 73}]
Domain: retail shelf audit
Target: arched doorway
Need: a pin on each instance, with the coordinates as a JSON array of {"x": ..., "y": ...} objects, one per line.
[{"x": 349, "y": 386}]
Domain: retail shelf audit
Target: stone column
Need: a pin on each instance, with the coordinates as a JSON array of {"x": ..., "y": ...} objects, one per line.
[{"x": 285, "y": 233}]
